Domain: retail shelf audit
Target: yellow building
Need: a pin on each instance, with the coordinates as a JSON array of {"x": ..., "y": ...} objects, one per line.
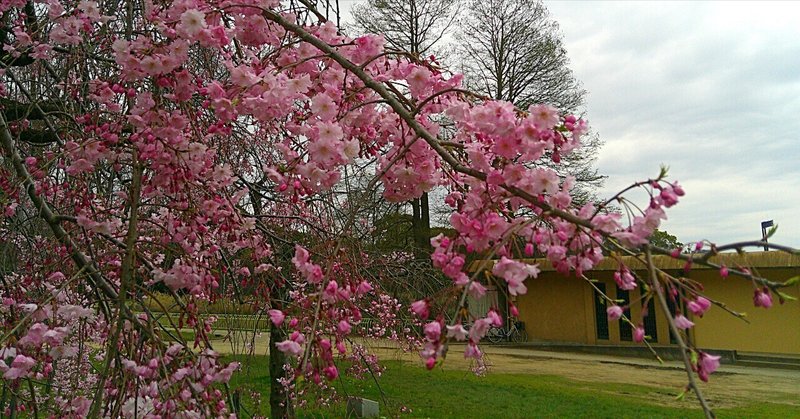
[{"x": 562, "y": 309}]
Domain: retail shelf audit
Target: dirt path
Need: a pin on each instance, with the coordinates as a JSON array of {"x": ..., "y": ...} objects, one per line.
[{"x": 730, "y": 386}]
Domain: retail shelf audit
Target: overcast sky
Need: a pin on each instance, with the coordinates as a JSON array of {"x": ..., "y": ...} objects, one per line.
[{"x": 710, "y": 89}]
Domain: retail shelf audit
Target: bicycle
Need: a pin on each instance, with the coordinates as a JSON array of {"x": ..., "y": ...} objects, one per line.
[{"x": 515, "y": 333}]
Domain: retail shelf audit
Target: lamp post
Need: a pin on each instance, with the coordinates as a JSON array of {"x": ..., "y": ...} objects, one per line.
[{"x": 764, "y": 226}]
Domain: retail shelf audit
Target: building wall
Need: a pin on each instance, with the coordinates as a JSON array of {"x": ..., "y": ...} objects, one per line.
[
  {"x": 776, "y": 330},
  {"x": 554, "y": 309},
  {"x": 561, "y": 309}
]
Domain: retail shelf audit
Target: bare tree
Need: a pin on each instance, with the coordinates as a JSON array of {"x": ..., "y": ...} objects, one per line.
[
  {"x": 512, "y": 50},
  {"x": 415, "y": 26}
]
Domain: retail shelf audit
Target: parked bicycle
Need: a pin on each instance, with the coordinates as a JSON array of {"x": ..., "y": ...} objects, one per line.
[{"x": 514, "y": 333}]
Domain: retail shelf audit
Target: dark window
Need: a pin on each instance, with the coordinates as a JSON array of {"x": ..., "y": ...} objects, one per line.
[
  {"x": 671, "y": 305},
  {"x": 601, "y": 317},
  {"x": 625, "y": 331},
  {"x": 650, "y": 328}
]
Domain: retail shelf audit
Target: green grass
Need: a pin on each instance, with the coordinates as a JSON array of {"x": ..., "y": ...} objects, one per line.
[{"x": 458, "y": 394}]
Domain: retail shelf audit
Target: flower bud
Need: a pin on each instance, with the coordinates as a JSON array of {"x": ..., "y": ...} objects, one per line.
[
  {"x": 614, "y": 312},
  {"x": 638, "y": 334}
]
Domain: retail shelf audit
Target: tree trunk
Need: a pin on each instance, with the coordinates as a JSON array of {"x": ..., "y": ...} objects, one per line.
[
  {"x": 421, "y": 225},
  {"x": 425, "y": 222},
  {"x": 279, "y": 402}
]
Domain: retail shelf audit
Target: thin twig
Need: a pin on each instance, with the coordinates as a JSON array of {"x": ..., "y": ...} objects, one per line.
[{"x": 687, "y": 364}]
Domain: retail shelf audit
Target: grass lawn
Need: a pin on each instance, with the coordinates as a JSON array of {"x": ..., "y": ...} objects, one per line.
[{"x": 459, "y": 394}]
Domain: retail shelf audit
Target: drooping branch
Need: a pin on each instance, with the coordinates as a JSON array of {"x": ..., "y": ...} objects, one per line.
[
  {"x": 50, "y": 217},
  {"x": 655, "y": 284},
  {"x": 14, "y": 110},
  {"x": 407, "y": 115}
]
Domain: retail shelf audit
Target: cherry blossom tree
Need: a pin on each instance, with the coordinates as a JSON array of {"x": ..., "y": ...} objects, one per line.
[{"x": 192, "y": 147}]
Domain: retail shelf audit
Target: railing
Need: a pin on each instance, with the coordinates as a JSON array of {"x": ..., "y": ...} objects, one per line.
[
  {"x": 368, "y": 325},
  {"x": 248, "y": 322},
  {"x": 261, "y": 323}
]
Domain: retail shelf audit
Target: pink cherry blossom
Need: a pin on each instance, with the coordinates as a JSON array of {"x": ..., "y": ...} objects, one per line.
[
  {"x": 19, "y": 367},
  {"x": 479, "y": 329},
  {"x": 457, "y": 332},
  {"x": 276, "y": 316},
  {"x": 193, "y": 22},
  {"x": 433, "y": 331},
  {"x": 514, "y": 273},
  {"x": 331, "y": 373},
  {"x": 624, "y": 279},
  {"x": 699, "y": 306},
  {"x": 472, "y": 351},
  {"x": 681, "y": 322},
  {"x": 290, "y": 347},
  {"x": 344, "y": 327},
  {"x": 224, "y": 375},
  {"x": 35, "y": 335},
  {"x": 614, "y": 312},
  {"x": 494, "y": 318},
  {"x": 707, "y": 364},
  {"x": 364, "y": 287},
  {"x": 330, "y": 291},
  {"x": 762, "y": 298},
  {"x": 638, "y": 334},
  {"x": 544, "y": 116},
  {"x": 420, "y": 308},
  {"x": 477, "y": 290}
]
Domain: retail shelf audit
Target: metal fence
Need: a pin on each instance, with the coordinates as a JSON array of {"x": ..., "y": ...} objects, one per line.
[
  {"x": 261, "y": 323},
  {"x": 249, "y": 322}
]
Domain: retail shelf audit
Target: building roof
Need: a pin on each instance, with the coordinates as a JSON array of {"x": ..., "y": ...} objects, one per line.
[{"x": 759, "y": 260}]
